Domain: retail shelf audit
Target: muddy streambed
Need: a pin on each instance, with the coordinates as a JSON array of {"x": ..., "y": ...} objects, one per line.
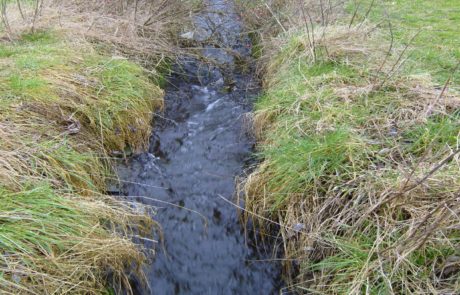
[{"x": 198, "y": 147}]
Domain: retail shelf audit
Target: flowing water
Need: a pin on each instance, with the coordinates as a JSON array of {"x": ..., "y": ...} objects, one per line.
[{"x": 198, "y": 147}]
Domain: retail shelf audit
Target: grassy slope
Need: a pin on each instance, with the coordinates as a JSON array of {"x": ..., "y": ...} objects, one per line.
[
  {"x": 437, "y": 47},
  {"x": 63, "y": 108},
  {"x": 341, "y": 157}
]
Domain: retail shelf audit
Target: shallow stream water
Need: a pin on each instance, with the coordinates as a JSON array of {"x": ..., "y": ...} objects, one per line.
[{"x": 198, "y": 148}]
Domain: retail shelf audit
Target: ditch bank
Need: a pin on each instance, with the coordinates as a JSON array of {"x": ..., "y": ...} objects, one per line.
[{"x": 359, "y": 145}]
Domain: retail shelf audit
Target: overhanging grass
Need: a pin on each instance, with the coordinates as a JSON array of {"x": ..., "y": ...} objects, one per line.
[
  {"x": 53, "y": 243},
  {"x": 63, "y": 109},
  {"x": 344, "y": 150},
  {"x": 111, "y": 97}
]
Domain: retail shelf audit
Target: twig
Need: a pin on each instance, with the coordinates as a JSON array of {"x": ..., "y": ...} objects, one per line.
[
  {"x": 323, "y": 20},
  {"x": 444, "y": 89},
  {"x": 390, "y": 26},
  {"x": 263, "y": 218},
  {"x": 20, "y": 9},
  {"x": 38, "y": 6},
  {"x": 135, "y": 11},
  {"x": 311, "y": 40},
  {"x": 418, "y": 183},
  {"x": 432, "y": 171},
  {"x": 4, "y": 17},
  {"x": 355, "y": 13},
  {"x": 392, "y": 70},
  {"x": 367, "y": 13},
  {"x": 276, "y": 18}
]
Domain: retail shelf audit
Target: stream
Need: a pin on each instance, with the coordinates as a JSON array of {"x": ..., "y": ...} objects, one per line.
[{"x": 198, "y": 148}]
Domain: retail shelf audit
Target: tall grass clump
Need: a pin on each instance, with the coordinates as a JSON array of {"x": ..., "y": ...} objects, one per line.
[
  {"x": 359, "y": 153},
  {"x": 63, "y": 109},
  {"x": 71, "y": 98}
]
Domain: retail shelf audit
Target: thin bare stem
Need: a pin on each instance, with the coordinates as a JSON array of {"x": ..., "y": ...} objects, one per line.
[
  {"x": 397, "y": 65},
  {"x": 355, "y": 13},
  {"x": 20, "y": 9},
  {"x": 392, "y": 38},
  {"x": 444, "y": 89}
]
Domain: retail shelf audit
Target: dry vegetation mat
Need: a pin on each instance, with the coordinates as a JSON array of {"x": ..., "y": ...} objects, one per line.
[
  {"x": 70, "y": 100},
  {"x": 359, "y": 145}
]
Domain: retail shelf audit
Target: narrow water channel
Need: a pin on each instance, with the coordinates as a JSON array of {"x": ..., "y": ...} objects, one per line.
[{"x": 198, "y": 147}]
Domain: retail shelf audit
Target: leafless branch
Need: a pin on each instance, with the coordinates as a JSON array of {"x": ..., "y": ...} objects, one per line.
[
  {"x": 392, "y": 38},
  {"x": 355, "y": 13},
  {"x": 20, "y": 9},
  {"x": 4, "y": 18},
  {"x": 444, "y": 89},
  {"x": 397, "y": 65}
]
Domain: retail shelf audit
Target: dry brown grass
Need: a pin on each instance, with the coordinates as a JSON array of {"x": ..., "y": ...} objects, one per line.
[
  {"x": 142, "y": 29},
  {"x": 59, "y": 234}
]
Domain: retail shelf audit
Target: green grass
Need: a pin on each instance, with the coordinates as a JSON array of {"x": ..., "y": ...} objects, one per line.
[
  {"x": 436, "y": 49},
  {"x": 64, "y": 108},
  {"x": 47, "y": 236},
  {"x": 339, "y": 151},
  {"x": 42, "y": 66}
]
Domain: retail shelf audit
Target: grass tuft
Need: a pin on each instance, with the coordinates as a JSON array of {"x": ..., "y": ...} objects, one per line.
[{"x": 64, "y": 109}]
